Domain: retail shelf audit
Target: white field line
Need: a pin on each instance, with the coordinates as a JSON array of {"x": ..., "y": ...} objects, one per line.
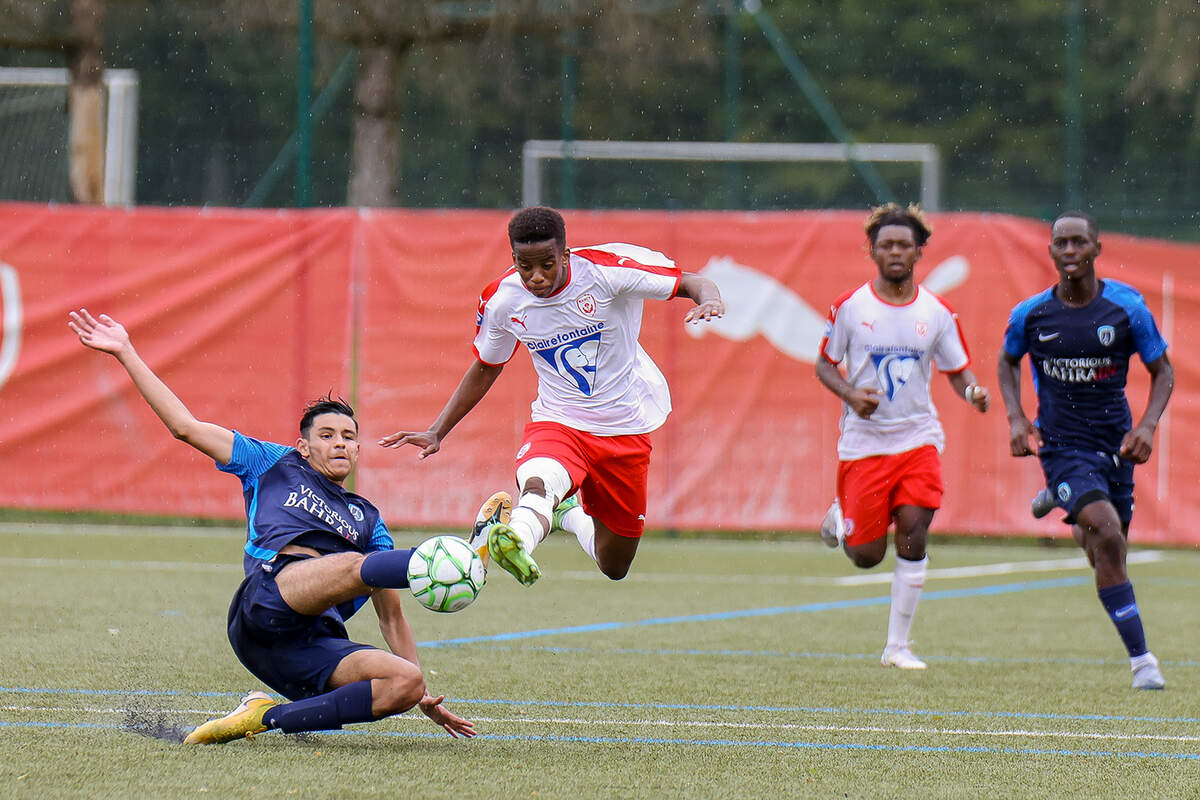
[
  {"x": 883, "y": 576},
  {"x": 44, "y": 529},
  {"x": 1004, "y": 568},
  {"x": 667, "y": 723},
  {"x": 880, "y": 577},
  {"x": 87, "y": 563}
]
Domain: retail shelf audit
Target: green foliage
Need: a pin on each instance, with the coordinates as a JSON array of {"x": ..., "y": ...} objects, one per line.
[{"x": 985, "y": 82}]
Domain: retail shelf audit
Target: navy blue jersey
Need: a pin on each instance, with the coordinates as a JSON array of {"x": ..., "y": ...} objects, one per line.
[
  {"x": 1080, "y": 360},
  {"x": 287, "y": 499}
]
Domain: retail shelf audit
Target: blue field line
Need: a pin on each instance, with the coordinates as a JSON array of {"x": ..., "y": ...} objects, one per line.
[
  {"x": 642, "y": 740},
  {"x": 808, "y": 608},
  {"x": 603, "y": 705}
]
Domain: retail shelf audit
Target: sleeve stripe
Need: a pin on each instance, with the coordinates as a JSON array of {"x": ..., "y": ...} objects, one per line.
[
  {"x": 484, "y": 361},
  {"x": 604, "y": 258}
]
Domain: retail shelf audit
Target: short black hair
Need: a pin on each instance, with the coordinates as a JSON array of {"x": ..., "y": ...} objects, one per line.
[
  {"x": 891, "y": 214},
  {"x": 1093, "y": 228},
  {"x": 537, "y": 224},
  {"x": 324, "y": 405}
]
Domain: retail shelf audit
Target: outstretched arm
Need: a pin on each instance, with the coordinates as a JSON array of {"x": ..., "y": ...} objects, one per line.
[
  {"x": 109, "y": 336},
  {"x": 1139, "y": 442},
  {"x": 705, "y": 294},
  {"x": 965, "y": 384},
  {"x": 475, "y": 383},
  {"x": 400, "y": 640},
  {"x": 1021, "y": 432}
]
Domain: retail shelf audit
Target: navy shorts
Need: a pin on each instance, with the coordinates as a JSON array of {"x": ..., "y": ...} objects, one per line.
[
  {"x": 295, "y": 654},
  {"x": 1078, "y": 477}
]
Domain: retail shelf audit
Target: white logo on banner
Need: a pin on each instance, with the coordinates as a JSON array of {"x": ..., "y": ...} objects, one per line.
[
  {"x": 10, "y": 345},
  {"x": 756, "y": 304}
]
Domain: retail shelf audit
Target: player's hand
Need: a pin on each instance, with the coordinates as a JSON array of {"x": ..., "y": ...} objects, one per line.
[
  {"x": 1020, "y": 433},
  {"x": 863, "y": 401},
  {"x": 428, "y": 441},
  {"x": 1137, "y": 445},
  {"x": 104, "y": 334},
  {"x": 706, "y": 311},
  {"x": 455, "y": 725},
  {"x": 980, "y": 397}
]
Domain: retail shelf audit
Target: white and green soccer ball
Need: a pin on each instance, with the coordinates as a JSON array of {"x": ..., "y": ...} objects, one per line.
[{"x": 445, "y": 574}]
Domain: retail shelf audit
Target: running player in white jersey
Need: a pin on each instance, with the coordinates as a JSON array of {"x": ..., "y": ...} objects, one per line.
[
  {"x": 578, "y": 312},
  {"x": 889, "y": 333}
]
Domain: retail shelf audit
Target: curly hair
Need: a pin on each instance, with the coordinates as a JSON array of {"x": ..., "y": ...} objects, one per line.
[
  {"x": 537, "y": 224},
  {"x": 324, "y": 405},
  {"x": 891, "y": 214}
]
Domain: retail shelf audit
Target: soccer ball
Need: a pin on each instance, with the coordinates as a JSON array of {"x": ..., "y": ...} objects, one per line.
[{"x": 445, "y": 574}]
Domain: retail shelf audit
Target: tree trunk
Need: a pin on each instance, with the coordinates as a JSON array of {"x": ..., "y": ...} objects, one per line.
[
  {"x": 375, "y": 154},
  {"x": 85, "y": 101}
]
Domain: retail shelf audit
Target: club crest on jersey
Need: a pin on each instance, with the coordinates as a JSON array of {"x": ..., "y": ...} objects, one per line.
[
  {"x": 893, "y": 371},
  {"x": 1064, "y": 492},
  {"x": 1107, "y": 334},
  {"x": 355, "y": 512},
  {"x": 586, "y": 304},
  {"x": 922, "y": 328},
  {"x": 575, "y": 358}
]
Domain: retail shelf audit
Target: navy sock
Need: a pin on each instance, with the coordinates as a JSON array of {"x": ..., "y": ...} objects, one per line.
[
  {"x": 386, "y": 568},
  {"x": 325, "y": 712},
  {"x": 1123, "y": 610}
]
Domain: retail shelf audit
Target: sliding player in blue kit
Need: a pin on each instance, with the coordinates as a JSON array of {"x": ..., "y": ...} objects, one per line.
[
  {"x": 314, "y": 552},
  {"x": 1080, "y": 335}
]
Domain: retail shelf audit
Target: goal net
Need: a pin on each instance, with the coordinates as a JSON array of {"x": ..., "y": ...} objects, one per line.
[
  {"x": 537, "y": 152},
  {"x": 34, "y": 144}
]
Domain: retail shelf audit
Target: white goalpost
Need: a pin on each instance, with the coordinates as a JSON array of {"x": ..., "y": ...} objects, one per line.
[
  {"x": 536, "y": 151},
  {"x": 33, "y": 134}
]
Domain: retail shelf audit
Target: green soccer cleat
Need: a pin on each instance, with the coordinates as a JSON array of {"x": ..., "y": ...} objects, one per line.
[
  {"x": 561, "y": 510},
  {"x": 506, "y": 549},
  {"x": 241, "y": 723}
]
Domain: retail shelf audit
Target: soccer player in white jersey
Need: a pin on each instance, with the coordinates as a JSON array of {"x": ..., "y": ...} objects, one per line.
[
  {"x": 888, "y": 334},
  {"x": 578, "y": 312}
]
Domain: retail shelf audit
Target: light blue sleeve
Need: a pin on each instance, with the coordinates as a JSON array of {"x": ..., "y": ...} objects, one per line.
[
  {"x": 251, "y": 457},
  {"x": 381, "y": 539},
  {"x": 1149, "y": 342},
  {"x": 1016, "y": 344}
]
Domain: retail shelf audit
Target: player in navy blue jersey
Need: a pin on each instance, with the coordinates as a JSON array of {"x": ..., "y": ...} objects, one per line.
[
  {"x": 314, "y": 552},
  {"x": 1080, "y": 335}
]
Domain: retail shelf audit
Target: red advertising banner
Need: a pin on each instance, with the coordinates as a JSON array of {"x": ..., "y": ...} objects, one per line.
[{"x": 249, "y": 314}]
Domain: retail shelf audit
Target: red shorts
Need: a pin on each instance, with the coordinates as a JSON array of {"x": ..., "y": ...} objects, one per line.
[
  {"x": 609, "y": 471},
  {"x": 869, "y": 489}
]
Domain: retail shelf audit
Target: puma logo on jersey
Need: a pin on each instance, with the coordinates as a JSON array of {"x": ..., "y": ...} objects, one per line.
[
  {"x": 869, "y": 326},
  {"x": 520, "y": 322}
]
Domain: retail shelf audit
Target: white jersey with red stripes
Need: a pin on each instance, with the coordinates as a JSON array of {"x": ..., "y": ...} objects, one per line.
[
  {"x": 593, "y": 375},
  {"x": 892, "y": 349}
]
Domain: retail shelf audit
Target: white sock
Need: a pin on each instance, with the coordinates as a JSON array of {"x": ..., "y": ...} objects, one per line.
[
  {"x": 908, "y": 580},
  {"x": 528, "y": 526},
  {"x": 577, "y": 521},
  {"x": 1139, "y": 661}
]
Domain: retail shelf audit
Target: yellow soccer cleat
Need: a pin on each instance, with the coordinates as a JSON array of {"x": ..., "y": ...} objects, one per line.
[
  {"x": 497, "y": 508},
  {"x": 241, "y": 723}
]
